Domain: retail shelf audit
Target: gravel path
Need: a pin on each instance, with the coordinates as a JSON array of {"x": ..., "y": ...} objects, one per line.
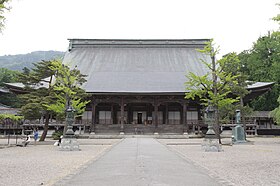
[
  {"x": 255, "y": 163},
  {"x": 44, "y": 164}
]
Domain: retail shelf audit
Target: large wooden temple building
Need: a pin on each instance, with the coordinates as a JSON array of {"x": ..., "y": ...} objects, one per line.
[{"x": 137, "y": 86}]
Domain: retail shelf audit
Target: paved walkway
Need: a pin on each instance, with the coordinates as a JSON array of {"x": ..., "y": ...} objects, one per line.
[{"x": 140, "y": 162}]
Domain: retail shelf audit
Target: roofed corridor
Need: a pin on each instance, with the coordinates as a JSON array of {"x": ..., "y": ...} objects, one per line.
[{"x": 140, "y": 161}]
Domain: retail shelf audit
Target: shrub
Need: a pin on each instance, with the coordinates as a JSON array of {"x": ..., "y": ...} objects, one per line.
[{"x": 56, "y": 135}]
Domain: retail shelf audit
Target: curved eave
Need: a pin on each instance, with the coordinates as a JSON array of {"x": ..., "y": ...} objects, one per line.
[{"x": 258, "y": 89}]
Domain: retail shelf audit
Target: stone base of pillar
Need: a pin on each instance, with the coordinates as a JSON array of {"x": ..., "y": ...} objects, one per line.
[
  {"x": 155, "y": 133},
  {"x": 69, "y": 144},
  {"x": 121, "y": 133},
  {"x": 211, "y": 145},
  {"x": 92, "y": 133},
  {"x": 186, "y": 134}
]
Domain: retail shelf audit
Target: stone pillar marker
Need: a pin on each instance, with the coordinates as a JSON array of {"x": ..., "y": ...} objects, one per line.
[
  {"x": 238, "y": 134},
  {"x": 69, "y": 141},
  {"x": 210, "y": 142}
]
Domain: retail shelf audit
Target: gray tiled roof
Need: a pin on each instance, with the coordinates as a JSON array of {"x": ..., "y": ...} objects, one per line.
[
  {"x": 136, "y": 66},
  {"x": 257, "y": 85}
]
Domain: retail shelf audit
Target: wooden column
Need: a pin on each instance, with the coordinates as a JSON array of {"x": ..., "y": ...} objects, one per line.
[
  {"x": 166, "y": 113},
  {"x": 156, "y": 115},
  {"x": 185, "y": 117},
  {"x": 128, "y": 107},
  {"x": 122, "y": 116},
  {"x": 93, "y": 115},
  {"x": 112, "y": 113}
]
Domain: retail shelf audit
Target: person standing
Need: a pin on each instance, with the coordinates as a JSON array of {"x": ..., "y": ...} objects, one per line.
[{"x": 36, "y": 136}]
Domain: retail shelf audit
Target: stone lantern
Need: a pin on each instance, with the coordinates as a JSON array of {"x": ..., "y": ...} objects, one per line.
[
  {"x": 210, "y": 142},
  {"x": 209, "y": 120},
  {"x": 69, "y": 141},
  {"x": 70, "y": 118}
]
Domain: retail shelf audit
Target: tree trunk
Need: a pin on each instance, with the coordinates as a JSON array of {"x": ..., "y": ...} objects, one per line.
[
  {"x": 46, "y": 127},
  {"x": 215, "y": 91},
  {"x": 217, "y": 125}
]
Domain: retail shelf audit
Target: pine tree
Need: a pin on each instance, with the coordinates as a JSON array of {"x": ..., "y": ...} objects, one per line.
[{"x": 45, "y": 96}]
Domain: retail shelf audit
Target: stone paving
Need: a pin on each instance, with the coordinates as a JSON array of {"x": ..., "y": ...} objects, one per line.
[{"x": 140, "y": 162}]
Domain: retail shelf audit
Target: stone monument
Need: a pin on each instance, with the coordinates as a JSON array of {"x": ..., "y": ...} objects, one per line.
[
  {"x": 210, "y": 142},
  {"x": 238, "y": 134},
  {"x": 69, "y": 141}
]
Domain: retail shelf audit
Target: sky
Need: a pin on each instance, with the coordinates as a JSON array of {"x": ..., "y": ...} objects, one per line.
[{"x": 234, "y": 25}]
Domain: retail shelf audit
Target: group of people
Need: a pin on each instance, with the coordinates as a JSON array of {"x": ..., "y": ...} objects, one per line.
[{"x": 27, "y": 139}]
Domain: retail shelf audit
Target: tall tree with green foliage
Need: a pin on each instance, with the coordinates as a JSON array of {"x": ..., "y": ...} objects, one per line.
[
  {"x": 67, "y": 91},
  {"x": 3, "y": 8},
  {"x": 276, "y": 113},
  {"x": 215, "y": 87},
  {"x": 262, "y": 63},
  {"x": 38, "y": 95},
  {"x": 8, "y": 76},
  {"x": 40, "y": 99},
  {"x": 277, "y": 17}
]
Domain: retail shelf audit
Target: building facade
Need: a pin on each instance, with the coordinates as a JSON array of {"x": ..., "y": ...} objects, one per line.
[{"x": 137, "y": 86}]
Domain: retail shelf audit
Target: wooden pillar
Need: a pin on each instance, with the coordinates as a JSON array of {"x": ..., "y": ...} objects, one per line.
[
  {"x": 166, "y": 113},
  {"x": 184, "y": 122},
  {"x": 128, "y": 114},
  {"x": 112, "y": 113},
  {"x": 122, "y": 116},
  {"x": 150, "y": 112},
  {"x": 93, "y": 115},
  {"x": 156, "y": 115}
]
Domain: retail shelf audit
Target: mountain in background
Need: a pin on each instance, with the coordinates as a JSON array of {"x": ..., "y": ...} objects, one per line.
[{"x": 18, "y": 62}]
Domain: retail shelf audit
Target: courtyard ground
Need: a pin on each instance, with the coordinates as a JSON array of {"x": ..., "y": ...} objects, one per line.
[
  {"x": 44, "y": 164},
  {"x": 254, "y": 163}
]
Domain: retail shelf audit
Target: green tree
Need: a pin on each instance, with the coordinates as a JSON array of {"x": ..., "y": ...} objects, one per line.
[
  {"x": 236, "y": 68},
  {"x": 8, "y": 76},
  {"x": 214, "y": 88},
  {"x": 276, "y": 113},
  {"x": 45, "y": 99},
  {"x": 277, "y": 17},
  {"x": 262, "y": 63},
  {"x": 3, "y": 8},
  {"x": 14, "y": 119},
  {"x": 67, "y": 91},
  {"x": 38, "y": 95}
]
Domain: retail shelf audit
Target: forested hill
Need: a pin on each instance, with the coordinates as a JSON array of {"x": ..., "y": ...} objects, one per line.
[{"x": 18, "y": 62}]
